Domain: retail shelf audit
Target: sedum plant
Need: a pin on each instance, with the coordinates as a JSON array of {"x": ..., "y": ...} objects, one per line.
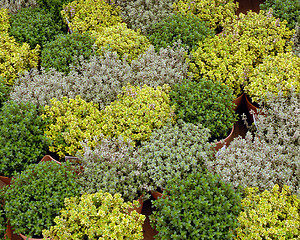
[
  {"x": 97, "y": 216},
  {"x": 90, "y": 15},
  {"x": 288, "y": 10},
  {"x": 111, "y": 167},
  {"x": 36, "y": 195},
  {"x": 136, "y": 113},
  {"x": 269, "y": 215},
  {"x": 188, "y": 29},
  {"x": 14, "y": 6},
  {"x": 22, "y": 140},
  {"x": 70, "y": 121},
  {"x": 142, "y": 14},
  {"x": 65, "y": 50},
  {"x": 14, "y": 58},
  {"x": 218, "y": 13},
  {"x": 206, "y": 102},
  {"x": 173, "y": 151},
  {"x": 268, "y": 156},
  {"x": 122, "y": 40},
  {"x": 276, "y": 73},
  {"x": 101, "y": 78},
  {"x": 296, "y": 40},
  {"x": 199, "y": 206},
  {"x": 232, "y": 56},
  {"x": 33, "y": 26}
]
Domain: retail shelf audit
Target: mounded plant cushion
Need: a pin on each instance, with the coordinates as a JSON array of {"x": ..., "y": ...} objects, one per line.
[
  {"x": 269, "y": 215},
  {"x": 14, "y": 6},
  {"x": 199, "y": 206},
  {"x": 97, "y": 216}
]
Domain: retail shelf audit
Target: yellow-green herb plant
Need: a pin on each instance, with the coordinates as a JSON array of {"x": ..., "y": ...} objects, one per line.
[
  {"x": 136, "y": 112},
  {"x": 71, "y": 121},
  {"x": 269, "y": 215}
]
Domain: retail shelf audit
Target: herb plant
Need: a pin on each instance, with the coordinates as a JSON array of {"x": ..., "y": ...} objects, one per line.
[
  {"x": 65, "y": 50},
  {"x": 206, "y": 102},
  {"x": 97, "y": 216},
  {"x": 199, "y": 206},
  {"x": 111, "y": 167},
  {"x": 33, "y": 26},
  {"x": 188, "y": 29},
  {"x": 22, "y": 140},
  {"x": 296, "y": 40},
  {"x": 4, "y": 91},
  {"x": 173, "y": 151},
  {"x": 37, "y": 195},
  {"x": 14, "y": 6},
  {"x": 269, "y": 215}
]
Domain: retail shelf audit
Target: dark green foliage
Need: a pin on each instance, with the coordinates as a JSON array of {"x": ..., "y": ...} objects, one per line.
[
  {"x": 200, "y": 206},
  {"x": 188, "y": 29},
  {"x": 34, "y": 26},
  {"x": 22, "y": 139},
  {"x": 288, "y": 10},
  {"x": 205, "y": 102},
  {"x": 36, "y": 195},
  {"x": 2, "y": 221},
  {"x": 65, "y": 50},
  {"x": 4, "y": 91}
]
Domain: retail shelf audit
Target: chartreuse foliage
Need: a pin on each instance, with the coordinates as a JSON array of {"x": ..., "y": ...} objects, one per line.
[
  {"x": 269, "y": 215},
  {"x": 200, "y": 206},
  {"x": 65, "y": 50},
  {"x": 276, "y": 73},
  {"x": 217, "y": 13},
  {"x": 122, "y": 40},
  {"x": 90, "y": 15},
  {"x": 14, "y": 58},
  {"x": 288, "y": 10},
  {"x": 22, "y": 140},
  {"x": 71, "y": 121},
  {"x": 136, "y": 112},
  {"x": 33, "y": 26},
  {"x": 188, "y": 29},
  {"x": 36, "y": 196},
  {"x": 97, "y": 216},
  {"x": 232, "y": 56},
  {"x": 206, "y": 102}
]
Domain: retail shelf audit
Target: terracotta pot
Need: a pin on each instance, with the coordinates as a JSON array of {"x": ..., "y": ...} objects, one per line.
[
  {"x": 238, "y": 102},
  {"x": 5, "y": 180},
  {"x": 48, "y": 158},
  {"x": 140, "y": 208},
  {"x": 26, "y": 238},
  {"x": 10, "y": 233},
  {"x": 156, "y": 194}
]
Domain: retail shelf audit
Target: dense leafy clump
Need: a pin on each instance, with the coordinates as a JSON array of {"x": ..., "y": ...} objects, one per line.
[
  {"x": 173, "y": 151},
  {"x": 269, "y": 215},
  {"x": 207, "y": 103},
  {"x": 71, "y": 121},
  {"x": 97, "y": 216},
  {"x": 232, "y": 56},
  {"x": 3, "y": 222},
  {"x": 188, "y": 29},
  {"x": 288, "y": 10},
  {"x": 36, "y": 196},
  {"x": 296, "y": 40},
  {"x": 101, "y": 78},
  {"x": 110, "y": 167},
  {"x": 275, "y": 73},
  {"x": 90, "y": 15},
  {"x": 33, "y": 26},
  {"x": 136, "y": 113},
  {"x": 14, "y": 6},
  {"x": 4, "y": 91},
  {"x": 22, "y": 139},
  {"x": 269, "y": 156},
  {"x": 65, "y": 50},
  {"x": 199, "y": 206},
  {"x": 122, "y": 40},
  {"x": 218, "y": 13},
  {"x": 14, "y": 58},
  {"x": 142, "y": 14}
]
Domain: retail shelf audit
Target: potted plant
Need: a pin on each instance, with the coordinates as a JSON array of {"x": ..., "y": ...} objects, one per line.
[
  {"x": 271, "y": 214},
  {"x": 171, "y": 151},
  {"x": 97, "y": 216},
  {"x": 22, "y": 140},
  {"x": 36, "y": 196},
  {"x": 296, "y": 40},
  {"x": 198, "y": 206},
  {"x": 206, "y": 102},
  {"x": 111, "y": 167}
]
